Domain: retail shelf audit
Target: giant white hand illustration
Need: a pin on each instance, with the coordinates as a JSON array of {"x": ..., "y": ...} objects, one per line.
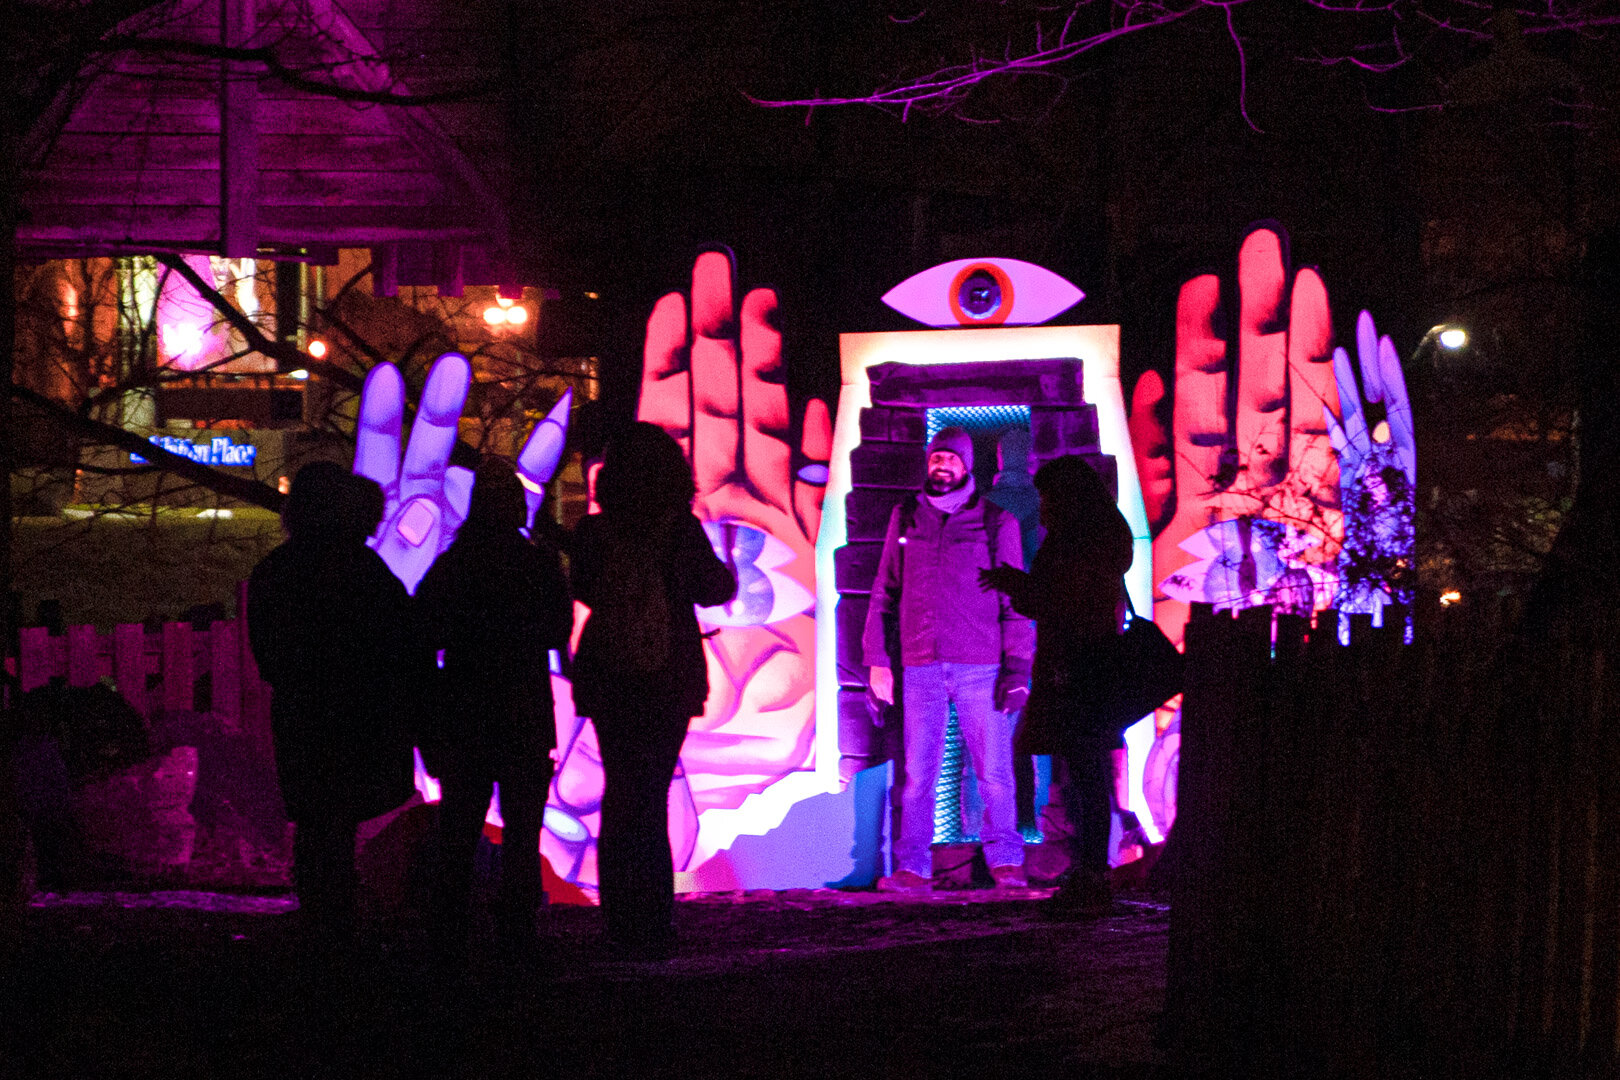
[
  {"x": 426, "y": 497},
  {"x": 1378, "y": 475}
]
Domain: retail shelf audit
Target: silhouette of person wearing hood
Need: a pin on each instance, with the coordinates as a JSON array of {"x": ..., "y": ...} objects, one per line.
[
  {"x": 330, "y": 628},
  {"x": 494, "y": 605}
]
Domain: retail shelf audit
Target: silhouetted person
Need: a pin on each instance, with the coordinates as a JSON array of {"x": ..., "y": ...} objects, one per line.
[
  {"x": 641, "y": 565},
  {"x": 330, "y": 628},
  {"x": 494, "y": 605},
  {"x": 1014, "y": 491},
  {"x": 1075, "y": 592}
]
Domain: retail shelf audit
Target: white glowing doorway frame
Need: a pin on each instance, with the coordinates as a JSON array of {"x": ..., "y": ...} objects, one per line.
[{"x": 1097, "y": 349}]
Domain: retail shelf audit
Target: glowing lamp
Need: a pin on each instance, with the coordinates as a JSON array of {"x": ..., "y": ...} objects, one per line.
[
  {"x": 298, "y": 373},
  {"x": 1449, "y": 597},
  {"x": 506, "y": 312},
  {"x": 1453, "y": 337},
  {"x": 182, "y": 339},
  {"x": 317, "y": 348}
]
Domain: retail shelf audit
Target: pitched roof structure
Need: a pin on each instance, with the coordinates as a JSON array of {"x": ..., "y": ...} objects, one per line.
[{"x": 162, "y": 145}]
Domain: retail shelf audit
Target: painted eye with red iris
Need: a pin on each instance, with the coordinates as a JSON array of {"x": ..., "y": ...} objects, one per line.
[{"x": 713, "y": 376}]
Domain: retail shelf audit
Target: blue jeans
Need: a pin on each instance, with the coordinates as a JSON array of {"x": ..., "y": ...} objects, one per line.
[{"x": 929, "y": 691}]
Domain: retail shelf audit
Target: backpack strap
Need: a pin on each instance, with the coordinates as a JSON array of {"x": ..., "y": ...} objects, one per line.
[
  {"x": 992, "y": 521},
  {"x": 908, "y": 513}
]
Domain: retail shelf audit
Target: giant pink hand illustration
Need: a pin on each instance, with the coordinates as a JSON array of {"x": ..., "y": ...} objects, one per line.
[
  {"x": 1256, "y": 500},
  {"x": 713, "y": 376}
]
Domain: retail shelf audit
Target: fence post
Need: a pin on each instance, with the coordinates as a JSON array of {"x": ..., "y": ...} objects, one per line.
[
  {"x": 129, "y": 666},
  {"x": 179, "y": 670}
]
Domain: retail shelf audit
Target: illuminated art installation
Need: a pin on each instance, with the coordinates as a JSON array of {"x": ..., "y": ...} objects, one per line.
[
  {"x": 713, "y": 377},
  {"x": 1291, "y": 497},
  {"x": 1296, "y": 495},
  {"x": 983, "y": 292},
  {"x": 1235, "y": 506},
  {"x": 1068, "y": 377}
]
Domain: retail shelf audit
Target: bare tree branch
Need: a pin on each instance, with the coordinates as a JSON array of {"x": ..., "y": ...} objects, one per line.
[
  {"x": 274, "y": 65},
  {"x": 256, "y": 339},
  {"x": 237, "y": 487}
]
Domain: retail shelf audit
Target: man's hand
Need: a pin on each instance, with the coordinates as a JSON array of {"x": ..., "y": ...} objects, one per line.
[{"x": 882, "y": 684}]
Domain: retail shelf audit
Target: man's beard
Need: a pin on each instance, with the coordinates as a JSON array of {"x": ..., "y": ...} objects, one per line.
[{"x": 938, "y": 485}]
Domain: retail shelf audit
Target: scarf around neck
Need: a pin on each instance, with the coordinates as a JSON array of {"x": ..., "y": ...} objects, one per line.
[{"x": 952, "y": 501}]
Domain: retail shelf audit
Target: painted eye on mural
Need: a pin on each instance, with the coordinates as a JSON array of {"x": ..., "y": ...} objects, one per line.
[
  {"x": 983, "y": 292},
  {"x": 764, "y": 594}
]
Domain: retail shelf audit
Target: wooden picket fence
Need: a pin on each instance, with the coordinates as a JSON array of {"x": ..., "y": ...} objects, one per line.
[
  {"x": 1398, "y": 860},
  {"x": 204, "y": 808},
  {"x": 205, "y": 676}
]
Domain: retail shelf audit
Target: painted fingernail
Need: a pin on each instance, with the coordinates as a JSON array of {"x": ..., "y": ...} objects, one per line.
[
  {"x": 416, "y": 522},
  {"x": 814, "y": 473}
]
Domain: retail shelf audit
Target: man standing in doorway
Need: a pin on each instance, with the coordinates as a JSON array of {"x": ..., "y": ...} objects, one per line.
[{"x": 959, "y": 645}]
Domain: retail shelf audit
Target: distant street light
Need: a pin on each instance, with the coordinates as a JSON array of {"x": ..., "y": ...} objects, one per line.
[
  {"x": 1453, "y": 337},
  {"x": 506, "y": 312}
]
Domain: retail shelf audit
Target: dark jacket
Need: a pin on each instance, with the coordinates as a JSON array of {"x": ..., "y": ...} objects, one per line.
[
  {"x": 494, "y": 605},
  {"x": 331, "y": 630},
  {"x": 691, "y": 576},
  {"x": 1075, "y": 592},
  {"x": 929, "y": 579}
]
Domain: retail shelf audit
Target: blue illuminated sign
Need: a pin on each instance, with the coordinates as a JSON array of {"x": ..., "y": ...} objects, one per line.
[{"x": 217, "y": 451}]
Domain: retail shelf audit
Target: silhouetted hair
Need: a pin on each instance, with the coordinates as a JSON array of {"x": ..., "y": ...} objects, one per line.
[
  {"x": 497, "y": 502},
  {"x": 644, "y": 474},
  {"x": 1073, "y": 480},
  {"x": 327, "y": 502}
]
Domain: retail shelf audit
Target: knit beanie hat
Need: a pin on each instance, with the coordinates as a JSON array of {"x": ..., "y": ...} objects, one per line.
[{"x": 957, "y": 441}]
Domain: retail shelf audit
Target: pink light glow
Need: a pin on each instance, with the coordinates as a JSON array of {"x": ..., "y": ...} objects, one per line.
[{"x": 190, "y": 333}]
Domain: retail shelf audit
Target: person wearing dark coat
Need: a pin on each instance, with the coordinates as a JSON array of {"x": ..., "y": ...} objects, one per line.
[
  {"x": 641, "y": 566},
  {"x": 492, "y": 606},
  {"x": 330, "y": 628},
  {"x": 1075, "y": 592}
]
